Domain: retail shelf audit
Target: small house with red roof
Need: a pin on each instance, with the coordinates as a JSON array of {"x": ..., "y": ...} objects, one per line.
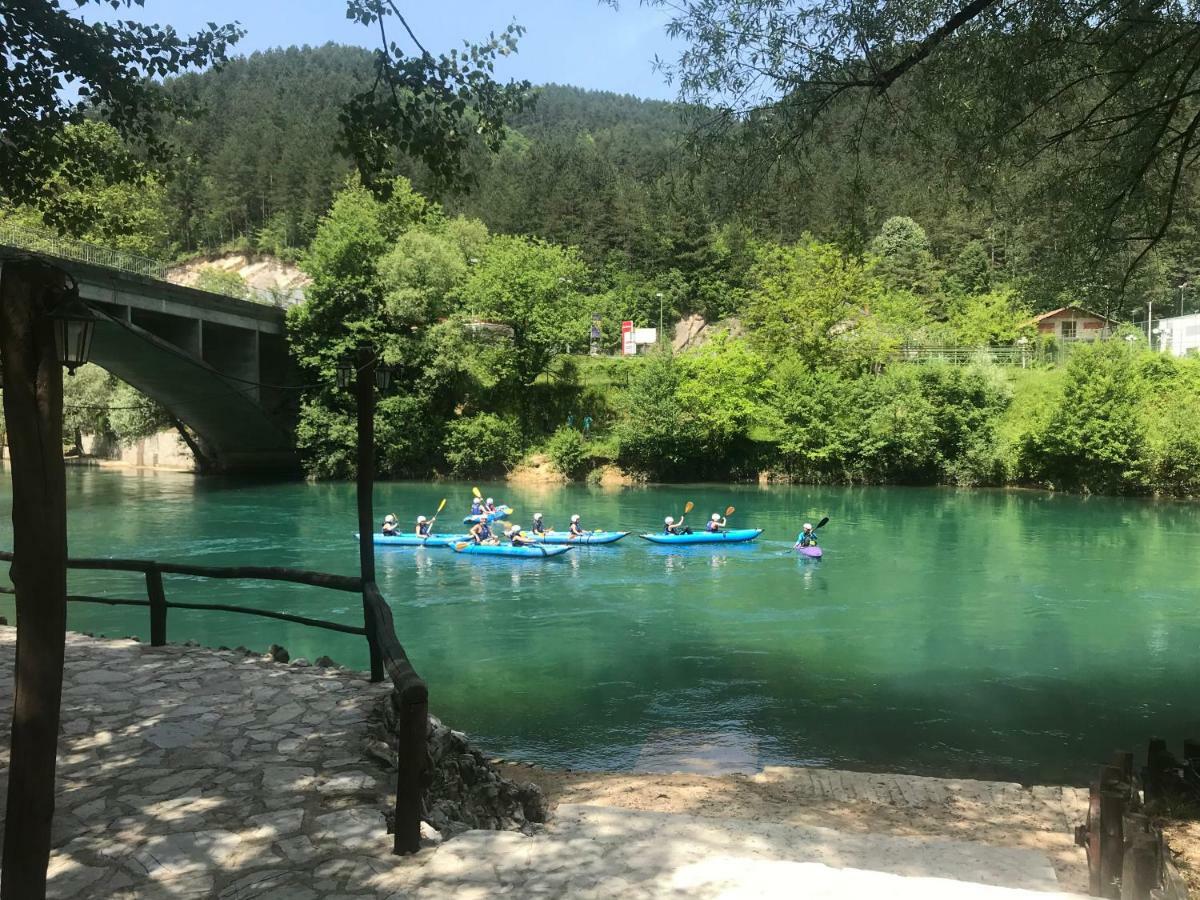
[{"x": 1073, "y": 323}]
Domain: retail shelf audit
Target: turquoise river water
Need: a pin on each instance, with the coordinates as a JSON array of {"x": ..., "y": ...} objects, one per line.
[{"x": 997, "y": 634}]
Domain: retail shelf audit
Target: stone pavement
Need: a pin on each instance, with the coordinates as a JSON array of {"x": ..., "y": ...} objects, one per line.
[{"x": 186, "y": 772}]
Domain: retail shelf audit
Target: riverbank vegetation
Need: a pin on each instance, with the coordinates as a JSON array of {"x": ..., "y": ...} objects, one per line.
[{"x": 485, "y": 333}]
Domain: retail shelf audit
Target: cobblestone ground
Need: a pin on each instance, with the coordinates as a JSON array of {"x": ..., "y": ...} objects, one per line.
[{"x": 187, "y": 772}]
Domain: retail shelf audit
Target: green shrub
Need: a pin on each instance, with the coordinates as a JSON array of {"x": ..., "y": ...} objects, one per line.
[
  {"x": 482, "y": 444},
  {"x": 567, "y": 451}
]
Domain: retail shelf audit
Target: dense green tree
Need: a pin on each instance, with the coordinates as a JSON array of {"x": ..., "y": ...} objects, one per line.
[
  {"x": 1093, "y": 440},
  {"x": 804, "y": 295},
  {"x": 535, "y": 288}
]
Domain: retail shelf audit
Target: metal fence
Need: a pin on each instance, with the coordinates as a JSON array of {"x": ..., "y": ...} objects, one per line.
[
  {"x": 65, "y": 248},
  {"x": 1023, "y": 357},
  {"x": 22, "y": 238}
]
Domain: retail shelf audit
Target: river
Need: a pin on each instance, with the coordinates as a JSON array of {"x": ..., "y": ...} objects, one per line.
[{"x": 1015, "y": 635}]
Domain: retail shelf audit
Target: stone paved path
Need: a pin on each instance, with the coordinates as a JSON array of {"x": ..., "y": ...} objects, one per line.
[{"x": 186, "y": 772}]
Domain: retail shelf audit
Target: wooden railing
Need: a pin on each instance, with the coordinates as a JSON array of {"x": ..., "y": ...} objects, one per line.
[
  {"x": 1127, "y": 856},
  {"x": 410, "y": 696}
]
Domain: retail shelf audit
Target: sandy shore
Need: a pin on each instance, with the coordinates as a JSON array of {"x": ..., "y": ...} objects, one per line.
[{"x": 995, "y": 813}]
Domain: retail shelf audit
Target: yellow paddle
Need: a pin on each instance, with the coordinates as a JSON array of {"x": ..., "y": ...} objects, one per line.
[
  {"x": 441, "y": 506},
  {"x": 729, "y": 511},
  {"x": 475, "y": 491}
]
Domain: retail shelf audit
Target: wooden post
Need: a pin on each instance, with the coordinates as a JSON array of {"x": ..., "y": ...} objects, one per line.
[
  {"x": 1112, "y": 840},
  {"x": 33, "y": 416},
  {"x": 412, "y": 733},
  {"x": 364, "y": 390},
  {"x": 158, "y": 606}
]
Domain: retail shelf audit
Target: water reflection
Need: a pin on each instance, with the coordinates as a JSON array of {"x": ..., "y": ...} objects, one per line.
[{"x": 989, "y": 633}]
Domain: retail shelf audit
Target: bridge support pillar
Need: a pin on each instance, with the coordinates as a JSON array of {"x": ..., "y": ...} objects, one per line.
[{"x": 234, "y": 352}]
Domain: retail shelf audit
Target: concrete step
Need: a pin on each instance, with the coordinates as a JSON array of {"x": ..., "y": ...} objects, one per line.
[{"x": 596, "y": 851}]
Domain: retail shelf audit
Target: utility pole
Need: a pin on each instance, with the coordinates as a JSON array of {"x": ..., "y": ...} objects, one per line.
[{"x": 660, "y": 317}]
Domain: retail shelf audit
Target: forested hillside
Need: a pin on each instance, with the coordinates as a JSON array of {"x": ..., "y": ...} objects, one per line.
[{"x": 618, "y": 178}]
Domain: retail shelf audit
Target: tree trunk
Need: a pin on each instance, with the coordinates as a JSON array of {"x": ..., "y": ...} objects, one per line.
[{"x": 33, "y": 410}]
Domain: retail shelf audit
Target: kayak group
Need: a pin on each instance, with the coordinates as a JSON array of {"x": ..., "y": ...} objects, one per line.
[{"x": 488, "y": 531}]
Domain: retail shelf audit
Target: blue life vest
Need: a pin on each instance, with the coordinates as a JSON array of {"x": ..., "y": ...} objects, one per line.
[{"x": 423, "y": 529}]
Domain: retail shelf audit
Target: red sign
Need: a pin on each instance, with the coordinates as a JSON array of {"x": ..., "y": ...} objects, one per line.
[{"x": 628, "y": 346}]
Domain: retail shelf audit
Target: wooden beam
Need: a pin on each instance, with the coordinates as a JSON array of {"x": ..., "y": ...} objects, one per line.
[
  {"x": 364, "y": 390},
  {"x": 33, "y": 395}
]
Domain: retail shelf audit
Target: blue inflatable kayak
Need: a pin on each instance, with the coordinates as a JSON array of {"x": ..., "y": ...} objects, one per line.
[
  {"x": 592, "y": 537},
  {"x": 411, "y": 540},
  {"x": 500, "y": 513},
  {"x": 509, "y": 550},
  {"x": 732, "y": 536}
]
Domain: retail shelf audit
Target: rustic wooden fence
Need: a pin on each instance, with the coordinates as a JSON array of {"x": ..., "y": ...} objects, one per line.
[
  {"x": 410, "y": 695},
  {"x": 1127, "y": 856}
]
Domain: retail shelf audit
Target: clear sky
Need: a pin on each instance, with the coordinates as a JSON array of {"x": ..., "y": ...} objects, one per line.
[{"x": 579, "y": 42}]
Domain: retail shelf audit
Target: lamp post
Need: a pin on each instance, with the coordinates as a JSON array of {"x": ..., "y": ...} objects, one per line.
[
  {"x": 1023, "y": 343},
  {"x": 40, "y": 331},
  {"x": 74, "y": 324},
  {"x": 1185, "y": 284},
  {"x": 660, "y": 317}
]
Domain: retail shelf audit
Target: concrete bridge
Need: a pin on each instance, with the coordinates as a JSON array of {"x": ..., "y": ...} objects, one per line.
[{"x": 218, "y": 364}]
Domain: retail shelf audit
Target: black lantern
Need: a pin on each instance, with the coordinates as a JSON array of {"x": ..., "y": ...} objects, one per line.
[
  {"x": 383, "y": 376},
  {"x": 74, "y": 325},
  {"x": 346, "y": 371}
]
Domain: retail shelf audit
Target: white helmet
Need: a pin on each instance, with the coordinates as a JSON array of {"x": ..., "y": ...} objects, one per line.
[
  {"x": 514, "y": 529},
  {"x": 537, "y": 515},
  {"x": 669, "y": 520},
  {"x": 489, "y": 500},
  {"x": 808, "y": 526},
  {"x": 575, "y": 518},
  {"x": 420, "y": 519},
  {"x": 716, "y": 517},
  {"x": 390, "y": 519}
]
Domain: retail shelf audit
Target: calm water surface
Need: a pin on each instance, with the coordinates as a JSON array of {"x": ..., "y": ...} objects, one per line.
[{"x": 1000, "y": 634}]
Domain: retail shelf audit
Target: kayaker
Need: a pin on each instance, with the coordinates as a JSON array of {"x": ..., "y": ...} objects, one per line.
[
  {"x": 489, "y": 506},
  {"x": 389, "y": 526},
  {"x": 516, "y": 538},
  {"x": 422, "y": 527},
  {"x": 808, "y": 537},
  {"x": 481, "y": 533},
  {"x": 715, "y": 523},
  {"x": 539, "y": 527},
  {"x": 673, "y": 527},
  {"x": 575, "y": 530},
  {"x": 476, "y": 506}
]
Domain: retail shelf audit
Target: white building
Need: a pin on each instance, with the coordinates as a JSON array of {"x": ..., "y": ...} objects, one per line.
[{"x": 1179, "y": 335}]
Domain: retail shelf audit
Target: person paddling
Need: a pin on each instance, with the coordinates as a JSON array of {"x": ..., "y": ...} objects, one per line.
[
  {"x": 807, "y": 537},
  {"x": 539, "y": 527},
  {"x": 715, "y": 523},
  {"x": 489, "y": 506},
  {"x": 576, "y": 530},
  {"x": 673, "y": 527},
  {"x": 422, "y": 527},
  {"x": 476, "y": 506},
  {"x": 389, "y": 528},
  {"x": 516, "y": 538},
  {"x": 481, "y": 533}
]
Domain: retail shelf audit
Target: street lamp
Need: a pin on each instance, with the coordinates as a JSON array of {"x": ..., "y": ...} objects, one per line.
[
  {"x": 660, "y": 316},
  {"x": 346, "y": 370},
  {"x": 74, "y": 325},
  {"x": 383, "y": 377}
]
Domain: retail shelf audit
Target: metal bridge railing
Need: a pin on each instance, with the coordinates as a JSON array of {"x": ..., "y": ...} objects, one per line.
[
  {"x": 22, "y": 238},
  {"x": 65, "y": 248}
]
